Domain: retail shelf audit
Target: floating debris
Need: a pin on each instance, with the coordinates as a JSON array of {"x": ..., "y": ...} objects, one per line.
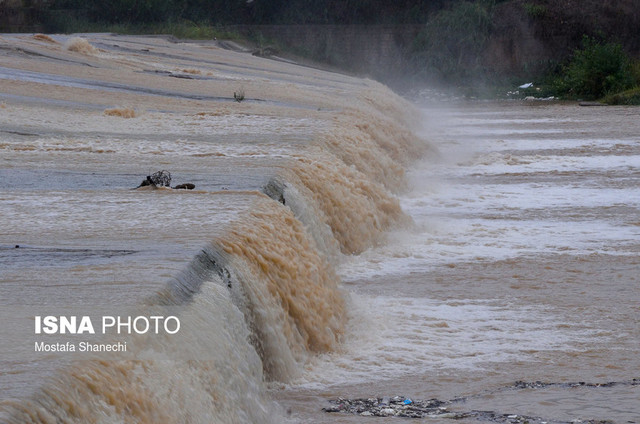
[
  {"x": 157, "y": 179},
  {"x": 163, "y": 179},
  {"x": 403, "y": 407},
  {"x": 238, "y": 95},
  {"x": 542, "y": 385},
  {"x": 122, "y": 112},
  {"x": 397, "y": 406}
]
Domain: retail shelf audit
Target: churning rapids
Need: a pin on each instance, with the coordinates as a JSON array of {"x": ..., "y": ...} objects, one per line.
[{"x": 340, "y": 242}]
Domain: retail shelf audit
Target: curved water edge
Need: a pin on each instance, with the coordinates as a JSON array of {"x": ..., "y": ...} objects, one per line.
[{"x": 263, "y": 296}]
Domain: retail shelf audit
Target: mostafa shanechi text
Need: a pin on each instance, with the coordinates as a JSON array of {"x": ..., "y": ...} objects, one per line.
[{"x": 83, "y": 346}]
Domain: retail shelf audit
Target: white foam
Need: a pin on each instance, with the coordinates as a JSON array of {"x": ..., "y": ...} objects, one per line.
[
  {"x": 467, "y": 207},
  {"x": 392, "y": 337},
  {"x": 568, "y": 141},
  {"x": 500, "y": 163},
  {"x": 444, "y": 240}
]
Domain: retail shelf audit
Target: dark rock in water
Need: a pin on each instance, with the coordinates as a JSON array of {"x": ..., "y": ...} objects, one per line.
[
  {"x": 186, "y": 186},
  {"x": 275, "y": 189},
  {"x": 146, "y": 182}
]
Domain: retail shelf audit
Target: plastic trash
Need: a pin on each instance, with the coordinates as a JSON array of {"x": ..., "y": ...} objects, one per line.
[
  {"x": 407, "y": 402},
  {"x": 527, "y": 85}
]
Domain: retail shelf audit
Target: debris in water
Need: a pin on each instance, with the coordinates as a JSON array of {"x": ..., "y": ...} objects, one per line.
[
  {"x": 163, "y": 179},
  {"x": 570, "y": 385},
  {"x": 238, "y": 95},
  {"x": 397, "y": 406},
  {"x": 402, "y": 407},
  {"x": 123, "y": 112},
  {"x": 157, "y": 179}
]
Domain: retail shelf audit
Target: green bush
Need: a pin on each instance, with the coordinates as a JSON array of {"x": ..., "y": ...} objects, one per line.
[
  {"x": 635, "y": 71},
  {"x": 628, "y": 97},
  {"x": 535, "y": 10},
  {"x": 596, "y": 70}
]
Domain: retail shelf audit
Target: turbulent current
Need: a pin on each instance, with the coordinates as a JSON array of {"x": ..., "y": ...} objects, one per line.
[{"x": 340, "y": 243}]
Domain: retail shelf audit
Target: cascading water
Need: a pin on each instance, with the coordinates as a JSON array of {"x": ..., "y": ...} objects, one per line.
[{"x": 260, "y": 295}]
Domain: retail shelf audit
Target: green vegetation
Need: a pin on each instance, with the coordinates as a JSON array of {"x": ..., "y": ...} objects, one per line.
[
  {"x": 596, "y": 70},
  {"x": 628, "y": 97},
  {"x": 535, "y": 10},
  {"x": 599, "y": 70}
]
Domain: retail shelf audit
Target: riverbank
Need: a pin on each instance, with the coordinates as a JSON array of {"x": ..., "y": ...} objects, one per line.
[{"x": 471, "y": 46}]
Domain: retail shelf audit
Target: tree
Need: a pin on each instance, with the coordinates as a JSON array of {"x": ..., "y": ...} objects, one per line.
[{"x": 597, "y": 69}]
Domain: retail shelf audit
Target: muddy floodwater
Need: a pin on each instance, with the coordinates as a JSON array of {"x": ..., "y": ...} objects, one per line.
[
  {"x": 341, "y": 244},
  {"x": 518, "y": 289}
]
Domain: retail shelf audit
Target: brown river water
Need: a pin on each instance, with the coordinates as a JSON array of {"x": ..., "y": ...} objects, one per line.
[{"x": 340, "y": 242}]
